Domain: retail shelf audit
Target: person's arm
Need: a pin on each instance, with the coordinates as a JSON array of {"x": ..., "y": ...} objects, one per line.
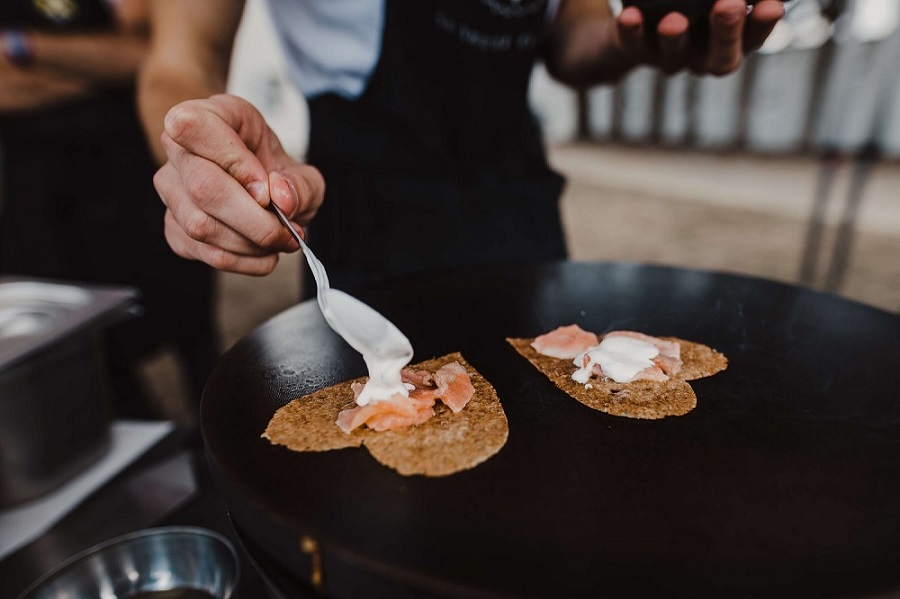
[
  {"x": 190, "y": 52},
  {"x": 61, "y": 66},
  {"x": 581, "y": 45},
  {"x": 223, "y": 164},
  {"x": 27, "y": 90},
  {"x": 585, "y": 45}
]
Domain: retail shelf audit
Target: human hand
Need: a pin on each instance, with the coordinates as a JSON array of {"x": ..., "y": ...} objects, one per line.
[
  {"x": 733, "y": 33},
  {"x": 224, "y": 165}
]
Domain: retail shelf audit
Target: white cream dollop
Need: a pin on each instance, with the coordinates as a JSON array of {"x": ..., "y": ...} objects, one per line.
[
  {"x": 620, "y": 358},
  {"x": 384, "y": 348},
  {"x": 384, "y": 380}
]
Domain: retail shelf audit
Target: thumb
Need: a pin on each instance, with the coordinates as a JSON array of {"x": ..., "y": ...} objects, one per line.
[{"x": 298, "y": 190}]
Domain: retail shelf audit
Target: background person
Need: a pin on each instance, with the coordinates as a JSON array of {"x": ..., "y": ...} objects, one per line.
[
  {"x": 76, "y": 195},
  {"x": 419, "y": 124}
]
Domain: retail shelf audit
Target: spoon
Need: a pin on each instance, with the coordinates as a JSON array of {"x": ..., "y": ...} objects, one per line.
[{"x": 384, "y": 348}]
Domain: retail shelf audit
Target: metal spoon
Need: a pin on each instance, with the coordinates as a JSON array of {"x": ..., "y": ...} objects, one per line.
[{"x": 384, "y": 348}]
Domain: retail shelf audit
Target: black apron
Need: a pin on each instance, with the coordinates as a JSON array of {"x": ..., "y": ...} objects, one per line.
[{"x": 439, "y": 163}]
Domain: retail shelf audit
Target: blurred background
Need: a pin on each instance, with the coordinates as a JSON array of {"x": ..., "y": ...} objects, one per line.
[{"x": 788, "y": 169}]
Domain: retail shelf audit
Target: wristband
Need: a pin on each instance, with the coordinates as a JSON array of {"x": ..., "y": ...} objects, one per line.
[{"x": 17, "y": 47}]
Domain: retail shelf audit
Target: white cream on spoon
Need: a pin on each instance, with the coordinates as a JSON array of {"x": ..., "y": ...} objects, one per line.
[{"x": 384, "y": 348}]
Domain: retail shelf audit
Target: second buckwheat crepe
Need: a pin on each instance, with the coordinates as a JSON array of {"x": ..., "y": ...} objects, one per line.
[{"x": 578, "y": 363}]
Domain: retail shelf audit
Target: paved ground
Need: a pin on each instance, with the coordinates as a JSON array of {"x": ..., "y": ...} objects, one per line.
[
  {"x": 723, "y": 212},
  {"x": 731, "y": 213}
]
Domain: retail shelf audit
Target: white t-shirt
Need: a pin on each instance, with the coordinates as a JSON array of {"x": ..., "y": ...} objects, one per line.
[{"x": 331, "y": 46}]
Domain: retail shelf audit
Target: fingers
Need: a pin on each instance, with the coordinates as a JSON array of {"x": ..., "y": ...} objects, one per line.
[
  {"x": 200, "y": 205},
  {"x": 298, "y": 190},
  {"x": 213, "y": 207},
  {"x": 762, "y": 21},
  {"x": 726, "y": 47},
  {"x": 224, "y": 165},
  {"x": 217, "y": 257},
  {"x": 225, "y": 130},
  {"x": 230, "y": 133},
  {"x": 732, "y": 34},
  {"x": 630, "y": 28},
  {"x": 673, "y": 42},
  {"x": 671, "y": 51}
]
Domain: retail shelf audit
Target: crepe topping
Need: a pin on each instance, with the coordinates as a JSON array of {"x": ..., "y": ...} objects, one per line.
[
  {"x": 621, "y": 356},
  {"x": 450, "y": 384}
]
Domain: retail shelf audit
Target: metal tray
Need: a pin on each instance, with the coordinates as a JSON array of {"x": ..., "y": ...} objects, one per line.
[
  {"x": 54, "y": 384},
  {"x": 35, "y": 314}
]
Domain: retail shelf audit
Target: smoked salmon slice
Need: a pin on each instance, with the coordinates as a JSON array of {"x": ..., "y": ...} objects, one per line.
[
  {"x": 565, "y": 342},
  {"x": 454, "y": 388},
  {"x": 396, "y": 412}
]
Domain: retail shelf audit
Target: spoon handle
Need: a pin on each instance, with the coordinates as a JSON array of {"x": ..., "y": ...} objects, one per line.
[{"x": 318, "y": 270}]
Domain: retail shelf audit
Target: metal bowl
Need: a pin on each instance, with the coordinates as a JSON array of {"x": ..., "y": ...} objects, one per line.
[{"x": 156, "y": 562}]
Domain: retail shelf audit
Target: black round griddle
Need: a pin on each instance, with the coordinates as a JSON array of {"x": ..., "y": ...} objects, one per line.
[{"x": 784, "y": 481}]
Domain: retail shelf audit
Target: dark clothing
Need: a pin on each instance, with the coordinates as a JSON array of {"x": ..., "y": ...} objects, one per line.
[
  {"x": 60, "y": 16},
  {"x": 439, "y": 163},
  {"x": 77, "y": 204}
]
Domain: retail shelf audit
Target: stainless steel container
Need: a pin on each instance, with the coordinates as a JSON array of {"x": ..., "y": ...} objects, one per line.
[
  {"x": 54, "y": 388},
  {"x": 172, "y": 561}
]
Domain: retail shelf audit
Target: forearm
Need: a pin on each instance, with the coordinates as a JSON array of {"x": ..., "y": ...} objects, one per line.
[
  {"x": 97, "y": 60},
  {"x": 161, "y": 87},
  {"x": 190, "y": 52},
  {"x": 28, "y": 90},
  {"x": 581, "y": 47},
  {"x": 62, "y": 67}
]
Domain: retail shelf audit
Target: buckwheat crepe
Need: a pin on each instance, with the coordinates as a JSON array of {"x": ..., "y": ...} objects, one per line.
[
  {"x": 638, "y": 399},
  {"x": 445, "y": 444}
]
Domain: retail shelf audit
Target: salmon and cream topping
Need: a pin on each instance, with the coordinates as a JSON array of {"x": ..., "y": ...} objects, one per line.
[
  {"x": 622, "y": 356},
  {"x": 450, "y": 384}
]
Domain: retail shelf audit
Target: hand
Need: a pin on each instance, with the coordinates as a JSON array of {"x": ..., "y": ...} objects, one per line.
[
  {"x": 224, "y": 165},
  {"x": 733, "y": 34}
]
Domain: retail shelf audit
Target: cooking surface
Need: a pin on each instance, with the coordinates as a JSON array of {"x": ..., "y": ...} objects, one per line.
[{"x": 784, "y": 479}]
